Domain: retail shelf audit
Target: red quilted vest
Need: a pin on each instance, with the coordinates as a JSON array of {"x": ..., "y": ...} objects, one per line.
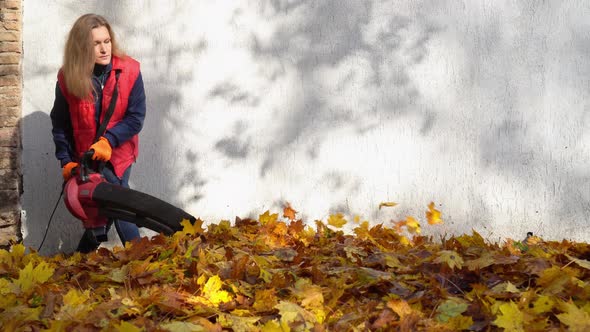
[{"x": 82, "y": 113}]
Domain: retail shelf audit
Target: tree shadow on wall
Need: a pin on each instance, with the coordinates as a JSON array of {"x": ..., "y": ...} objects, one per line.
[
  {"x": 538, "y": 136},
  {"x": 508, "y": 151},
  {"x": 353, "y": 61}
]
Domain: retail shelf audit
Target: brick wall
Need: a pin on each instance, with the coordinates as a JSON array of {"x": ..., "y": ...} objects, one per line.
[{"x": 10, "y": 115}]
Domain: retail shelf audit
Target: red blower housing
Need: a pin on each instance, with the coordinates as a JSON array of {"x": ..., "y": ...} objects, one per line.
[{"x": 78, "y": 199}]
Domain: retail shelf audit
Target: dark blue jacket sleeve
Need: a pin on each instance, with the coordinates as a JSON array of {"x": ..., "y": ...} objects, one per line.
[
  {"x": 62, "y": 128},
  {"x": 133, "y": 120}
]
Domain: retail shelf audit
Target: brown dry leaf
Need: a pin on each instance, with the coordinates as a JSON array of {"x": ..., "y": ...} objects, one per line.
[
  {"x": 581, "y": 262},
  {"x": 482, "y": 262},
  {"x": 265, "y": 300}
]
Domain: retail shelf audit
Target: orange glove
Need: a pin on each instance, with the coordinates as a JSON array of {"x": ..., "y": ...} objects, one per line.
[
  {"x": 102, "y": 150},
  {"x": 68, "y": 169}
]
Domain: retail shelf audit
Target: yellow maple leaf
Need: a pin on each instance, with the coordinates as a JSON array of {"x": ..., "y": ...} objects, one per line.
[
  {"x": 362, "y": 231},
  {"x": 191, "y": 229},
  {"x": 553, "y": 280},
  {"x": 543, "y": 304},
  {"x": 179, "y": 326},
  {"x": 5, "y": 257},
  {"x": 337, "y": 220},
  {"x": 58, "y": 325},
  {"x": 460, "y": 323},
  {"x": 212, "y": 291},
  {"x": 127, "y": 327},
  {"x": 311, "y": 298},
  {"x": 475, "y": 239},
  {"x": 413, "y": 225},
  {"x": 307, "y": 235},
  {"x": 75, "y": 297},
  {"x": 405, "y": 241},
  {"x": 75, "y": 304},
  {"x": 6, "y": 287},
  {"x": 511, "y": 319},
  {"x": 576, "y": 319},
  {"x": 433, "y": 215},
  {"x": 505, "y": 287},
  {"x": 272, "y": 326},
  {"x": 29, "y": 276},
  {"x": 309, "y": 294},
  {"x": 238, "y": 323},
  {"x": 451, "y": 258},
  {"x": 25, "y": 278},
  {"x": 387, "y": 204},
  {"x": 17, "y": 252},
  {"x": 294, "y": 315},
  {"x": 266, "y": 217}
]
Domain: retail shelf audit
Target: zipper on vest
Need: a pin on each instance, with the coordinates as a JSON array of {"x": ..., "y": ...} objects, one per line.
[{"x": 102, "y": 81}]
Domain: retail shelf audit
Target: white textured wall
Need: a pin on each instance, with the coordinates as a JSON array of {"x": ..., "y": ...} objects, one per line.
[{"x": 336, "y": 106}]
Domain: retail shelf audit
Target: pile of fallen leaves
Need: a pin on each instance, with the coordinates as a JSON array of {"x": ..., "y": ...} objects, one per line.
[{"x": 277, "y": 274}]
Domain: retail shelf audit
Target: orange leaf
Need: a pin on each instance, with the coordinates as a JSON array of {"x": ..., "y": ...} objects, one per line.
[
  {"x": 397, "y": 225},
  {"x": 400, "y": 307},
  {"x": 289, "y": 212}
]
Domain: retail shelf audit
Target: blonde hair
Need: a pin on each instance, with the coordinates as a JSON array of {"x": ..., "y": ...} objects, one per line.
[{"x": 79, "y": 58}]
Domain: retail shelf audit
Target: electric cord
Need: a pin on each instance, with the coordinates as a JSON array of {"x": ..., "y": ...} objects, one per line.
[{"x": 51, "y": 217}]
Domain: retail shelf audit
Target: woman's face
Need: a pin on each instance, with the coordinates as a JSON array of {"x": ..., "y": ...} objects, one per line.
[{"x": 102, "y": 45}]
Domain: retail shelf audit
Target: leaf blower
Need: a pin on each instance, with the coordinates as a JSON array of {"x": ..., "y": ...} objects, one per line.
[{"x": 93, "y": 200}]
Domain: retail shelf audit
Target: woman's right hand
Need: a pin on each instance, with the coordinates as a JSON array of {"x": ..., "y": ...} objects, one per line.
[{"x": 67, "y": 170}]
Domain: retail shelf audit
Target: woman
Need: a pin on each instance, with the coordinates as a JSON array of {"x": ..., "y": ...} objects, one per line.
[{"x": 92, "y": 65}]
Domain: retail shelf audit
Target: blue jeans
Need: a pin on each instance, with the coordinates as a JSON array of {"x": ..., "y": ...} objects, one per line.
[{"x": 127, "y": 231}]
